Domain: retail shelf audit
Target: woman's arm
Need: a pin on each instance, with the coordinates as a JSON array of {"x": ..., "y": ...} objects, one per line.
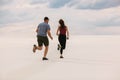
[
  {"x": 67, "y": 32},
  {"x": 57, "y": 33}
]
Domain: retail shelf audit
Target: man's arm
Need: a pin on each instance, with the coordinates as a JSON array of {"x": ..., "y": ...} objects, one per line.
[
  {"x": 49, "y": 34},
  {"x": 37, "y": 30}
]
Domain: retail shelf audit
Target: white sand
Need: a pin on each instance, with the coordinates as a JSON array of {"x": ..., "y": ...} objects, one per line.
[{"x": 86, "y": 58}]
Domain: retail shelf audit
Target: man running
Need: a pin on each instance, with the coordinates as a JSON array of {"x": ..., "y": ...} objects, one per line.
[{"x": 42, "y": 30}]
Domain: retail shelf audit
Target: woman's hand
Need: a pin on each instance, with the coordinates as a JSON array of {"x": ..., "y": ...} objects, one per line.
[{"x": 67, "y": 38}]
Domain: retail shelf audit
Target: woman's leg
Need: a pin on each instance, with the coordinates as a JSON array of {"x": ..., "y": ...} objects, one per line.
[
  {"x": 61, "y": 51},
  {"x": 63, "y": 45},
  {"x": 62, "y": 41}
]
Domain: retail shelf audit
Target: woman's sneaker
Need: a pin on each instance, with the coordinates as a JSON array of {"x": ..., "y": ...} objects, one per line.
[
  {"x": 44, "y": 58},
  {"x": 34, "y": 48},
  {"x": 59, "y": 46},
  {"x": 61, "y": 57}
]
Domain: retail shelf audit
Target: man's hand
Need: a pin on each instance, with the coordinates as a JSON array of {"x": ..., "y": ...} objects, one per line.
[
  {"x": 37, "y": 30},
  {"x": 49, "y": 34}
]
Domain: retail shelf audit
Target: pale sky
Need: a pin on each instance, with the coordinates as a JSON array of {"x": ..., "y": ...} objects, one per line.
[{"x": 83, "y": 17}]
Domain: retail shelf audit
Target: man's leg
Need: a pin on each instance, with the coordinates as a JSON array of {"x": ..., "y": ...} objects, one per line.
[
  {"x": 46, "y": 43},
  {"x": 40, "y": 44},
  {"x": 39, "y": 47},
  {"x": 45, "y": 52},
  {"x": 36, "y": 48}
]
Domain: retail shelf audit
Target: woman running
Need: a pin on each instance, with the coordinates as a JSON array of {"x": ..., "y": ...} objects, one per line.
[{"x": 62, "y": 31}]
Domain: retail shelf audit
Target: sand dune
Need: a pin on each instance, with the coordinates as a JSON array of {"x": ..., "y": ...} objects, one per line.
[{"x": 87, "y": 57}]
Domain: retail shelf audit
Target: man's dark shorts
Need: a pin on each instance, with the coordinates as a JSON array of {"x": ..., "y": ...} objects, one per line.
[{"x": 42, "y": 40}]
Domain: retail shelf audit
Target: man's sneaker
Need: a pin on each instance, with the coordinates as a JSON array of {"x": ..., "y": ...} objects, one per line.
[
  {"x": 44, "y": 58},
  {"x": 34, "y": 48},
  {"x": 61, "y": 57},
  {"x": 58, "y": 47}
]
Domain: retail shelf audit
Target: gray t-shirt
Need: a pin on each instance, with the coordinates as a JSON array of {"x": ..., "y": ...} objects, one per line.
[{"x": 42, "y": 29}]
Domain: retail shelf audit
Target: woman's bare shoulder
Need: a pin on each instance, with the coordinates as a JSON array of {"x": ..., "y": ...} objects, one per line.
[{"x": 66, "y": 27}]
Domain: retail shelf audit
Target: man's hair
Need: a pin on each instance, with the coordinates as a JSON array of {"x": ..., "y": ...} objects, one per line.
[{"x": 46, "y": 18}]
